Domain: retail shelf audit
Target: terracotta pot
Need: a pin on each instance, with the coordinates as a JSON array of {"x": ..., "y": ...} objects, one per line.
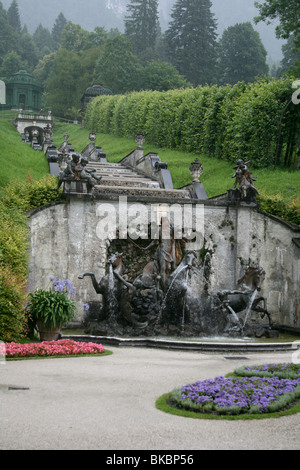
[{"x": 48, "y": 334}]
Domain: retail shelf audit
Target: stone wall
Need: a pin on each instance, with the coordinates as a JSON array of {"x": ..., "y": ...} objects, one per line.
[{"x": 65, "y": 242}]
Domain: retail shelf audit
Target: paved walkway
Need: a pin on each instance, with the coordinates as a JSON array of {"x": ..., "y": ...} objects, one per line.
[{"x": 108, "y": 403}]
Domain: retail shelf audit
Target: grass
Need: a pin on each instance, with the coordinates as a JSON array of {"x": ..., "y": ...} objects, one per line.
[
  {"x": 18, "y": 160},
  {"x": 217, "y": 173}
]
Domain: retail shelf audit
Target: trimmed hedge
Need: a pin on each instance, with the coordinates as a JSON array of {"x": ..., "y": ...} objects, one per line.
[{"x": 230, "y": 122}]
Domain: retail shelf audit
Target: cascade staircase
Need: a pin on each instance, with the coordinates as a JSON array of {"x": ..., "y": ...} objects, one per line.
[{"x": 117, "y": 179}]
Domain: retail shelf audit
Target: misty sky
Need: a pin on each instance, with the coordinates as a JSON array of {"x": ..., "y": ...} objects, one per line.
[{"x": 92, "y": 13}]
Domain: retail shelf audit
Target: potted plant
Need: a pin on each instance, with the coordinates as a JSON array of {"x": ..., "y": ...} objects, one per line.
[{"x": 51, "y": 309}]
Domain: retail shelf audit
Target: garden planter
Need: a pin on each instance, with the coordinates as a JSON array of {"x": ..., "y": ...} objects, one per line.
[{"x": 48, "y": 334}]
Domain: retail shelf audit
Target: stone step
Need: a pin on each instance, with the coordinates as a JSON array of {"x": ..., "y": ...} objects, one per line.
[
  {"x": 116, "y": 175},
  {"x": 142, "y": 192},
  {"x": 129, "y": 182}
]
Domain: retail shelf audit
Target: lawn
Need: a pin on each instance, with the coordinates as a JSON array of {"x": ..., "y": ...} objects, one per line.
[{"x": 18, "y": 160}]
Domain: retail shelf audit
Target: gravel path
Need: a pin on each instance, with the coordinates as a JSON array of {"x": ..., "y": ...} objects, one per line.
[{"x": 108, "y": 403}]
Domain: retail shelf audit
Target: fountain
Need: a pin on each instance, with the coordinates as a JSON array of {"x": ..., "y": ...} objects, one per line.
[{"x": 172, "y": 296}]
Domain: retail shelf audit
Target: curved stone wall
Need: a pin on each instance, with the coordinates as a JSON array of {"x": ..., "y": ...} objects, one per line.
[{"x": 67, "y": 239}]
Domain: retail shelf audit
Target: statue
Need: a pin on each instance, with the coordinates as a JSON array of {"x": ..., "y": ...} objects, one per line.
[
  {"x": 245, "y": 296},
  {"x": 167, "y": 256},
  {"x": 76, "y": 171},
  {"x": 117, "y": 294},
  {"x": 244, "y": 178}
]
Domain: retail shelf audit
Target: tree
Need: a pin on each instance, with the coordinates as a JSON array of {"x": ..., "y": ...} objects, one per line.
[
  {"x": 64, "y": 88},
  {"x": 74, "y": 37},
  {"x": 242, "y": 56},
  {"x": 191, "y": 40},
  {"x": 161, "y": 76},
  {"x": 290, "y": 63},
  {"x": 8, "y": 41},
  {"x": 142, "y": 26},
  {"x": 13, "y": 16},
  {"x": 43, "y": 41},
  {"x": 45, "y": 68},
  {"x": 11, "y": 63},
  {"x": 288, "y": 14},
  {"x": 118, "y": 68},
  {"x": 28, "y": 50},
  {"x": 57, "y": 29}
]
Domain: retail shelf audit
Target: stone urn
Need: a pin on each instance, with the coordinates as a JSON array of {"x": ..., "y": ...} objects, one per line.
[{"x": 196, "y": 170}]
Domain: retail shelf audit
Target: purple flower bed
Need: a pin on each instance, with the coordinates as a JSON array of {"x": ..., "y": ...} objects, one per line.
[
  {"x": 288, "y": 370},
  {"x": 238, "y": 395}
]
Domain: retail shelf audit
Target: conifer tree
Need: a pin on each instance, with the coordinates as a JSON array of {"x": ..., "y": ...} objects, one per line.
[
  {"x": 13, "y": 16},
  {"x": 191, "y": 40},
  {"x": 57, "y": 29},
  {"x": 142, "y": 26}
]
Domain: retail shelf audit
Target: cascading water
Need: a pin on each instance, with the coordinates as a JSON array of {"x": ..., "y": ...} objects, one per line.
[
  {"x": 111, "y": 297},
  {"x": 252, "y": 298},
  {"x": 184, "y": 304},
  {"x": 167, "y": 296}
]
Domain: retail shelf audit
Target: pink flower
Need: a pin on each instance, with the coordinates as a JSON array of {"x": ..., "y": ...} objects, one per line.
[{"x": 52, "y": 348}]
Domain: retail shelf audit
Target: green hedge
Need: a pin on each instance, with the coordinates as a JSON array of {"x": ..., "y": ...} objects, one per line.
[{"x": 230, "y": 122}]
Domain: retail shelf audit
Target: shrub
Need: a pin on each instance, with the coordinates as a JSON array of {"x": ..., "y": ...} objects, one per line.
[
  {"x": 232, "y": 122},
  {"x": 13, "y": 323},
  {"x": 54, "y": 307},
  {"x": 275, "y": 205},
  {"x": 17, "y": 198}
]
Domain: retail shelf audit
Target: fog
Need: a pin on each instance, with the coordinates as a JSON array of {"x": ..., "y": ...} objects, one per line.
[{"x": 110, "y": 14}]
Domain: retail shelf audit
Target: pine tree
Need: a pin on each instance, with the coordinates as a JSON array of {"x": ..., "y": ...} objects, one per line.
[
  {"x": 142, "y": 26},
  {"x": 57, "y": 29},
  {"x": 191, "y": 40},
  {"x": 8, "y": 41},
  {"x": 13, "y": 16}
]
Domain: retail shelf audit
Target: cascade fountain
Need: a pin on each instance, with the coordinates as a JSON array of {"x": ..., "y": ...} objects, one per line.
[{"x": 172, "y": 297}]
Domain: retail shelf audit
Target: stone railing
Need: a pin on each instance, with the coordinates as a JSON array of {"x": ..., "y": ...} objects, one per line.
[{"x": 34, "y": 117}]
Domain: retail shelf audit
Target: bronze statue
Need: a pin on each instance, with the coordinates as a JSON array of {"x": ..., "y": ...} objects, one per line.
[
  {"x": 244, "y": 178},
  {"x": 76, "y": 171}
]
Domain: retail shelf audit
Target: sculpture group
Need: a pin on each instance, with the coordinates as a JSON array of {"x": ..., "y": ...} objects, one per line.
[{"x": 172, "y": 295}]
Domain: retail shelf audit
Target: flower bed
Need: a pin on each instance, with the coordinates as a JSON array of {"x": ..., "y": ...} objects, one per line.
[
  {"x": 236, "y": 396},
  {"x": 52, "y": 348},
  {"x": 285, "y": 370}
]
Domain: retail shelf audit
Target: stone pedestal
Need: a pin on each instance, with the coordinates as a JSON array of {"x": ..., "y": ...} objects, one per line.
[{"x": 77, "y": 187}]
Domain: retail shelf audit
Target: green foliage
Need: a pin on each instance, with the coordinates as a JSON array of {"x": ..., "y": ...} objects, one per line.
[
  {"x": 141, "y": 25},
  {"x": 191, "y": 40},
  {"x": 52, "y": 308},
  {"x": 17, "y": 198},
  {"x": 275, "y": 205},
  {"x": 286, "y": 11},
  {"x": 12, "y": 298},
  {"x": 231, "y": 122},
  {"x": 242, "y": 56},
  {"x": 118, "y": 67}
]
